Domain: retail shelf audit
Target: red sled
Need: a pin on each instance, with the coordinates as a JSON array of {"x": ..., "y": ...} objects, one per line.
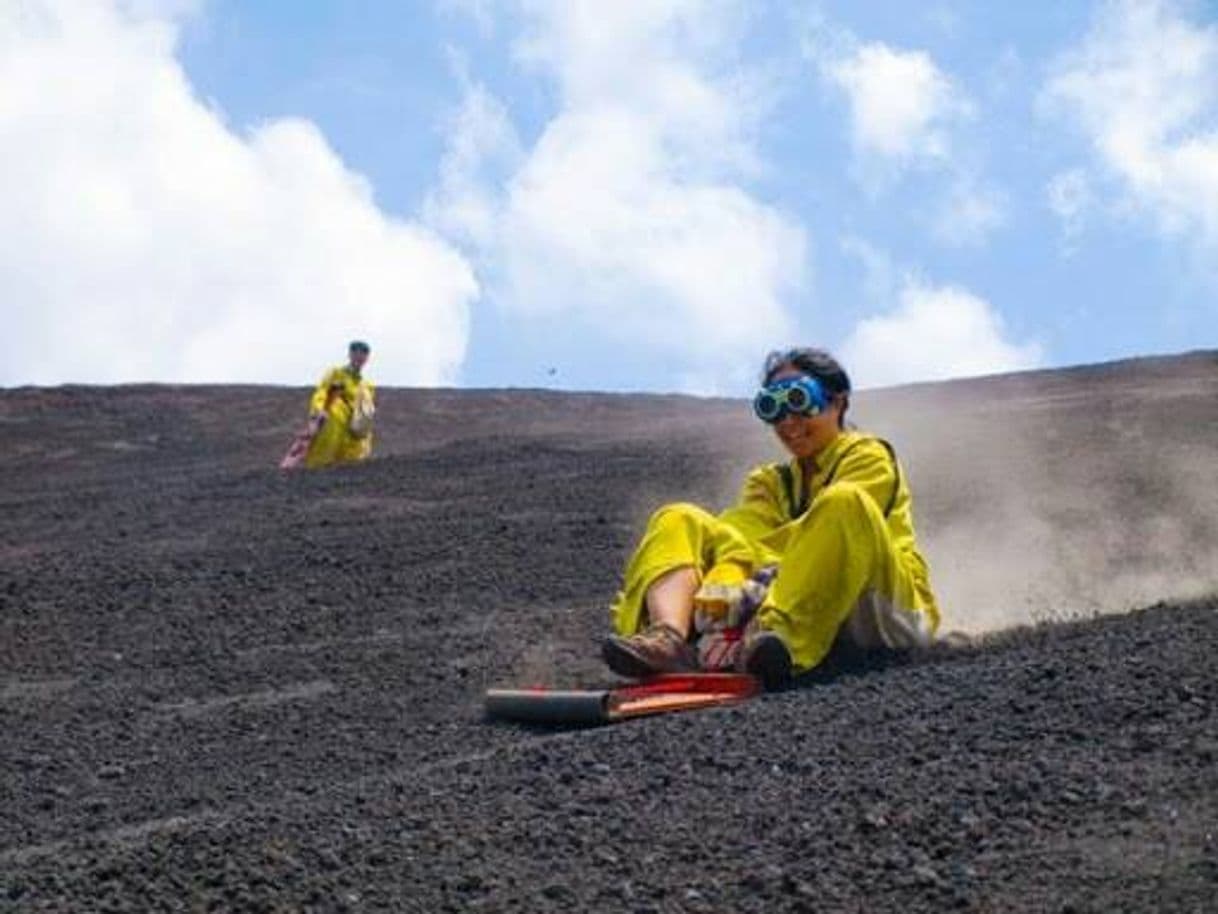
[
  {"x": 299, "y": 447},
  {"x": 659, "y": 694}
]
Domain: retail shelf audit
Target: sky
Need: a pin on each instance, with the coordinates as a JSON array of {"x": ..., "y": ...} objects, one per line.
[{"x": 643, "y": 195}]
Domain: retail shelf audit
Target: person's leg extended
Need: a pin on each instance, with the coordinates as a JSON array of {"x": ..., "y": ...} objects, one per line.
[
  {"x": 840, "y": 557},
  {"x": 653, "y": 613},
  {"x": 678, "y": 536}
]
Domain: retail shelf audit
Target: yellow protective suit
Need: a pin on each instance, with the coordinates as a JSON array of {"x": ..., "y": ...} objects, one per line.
[
  {"x": 842, "y": 537},
  {"x": 337, "y": 394}
]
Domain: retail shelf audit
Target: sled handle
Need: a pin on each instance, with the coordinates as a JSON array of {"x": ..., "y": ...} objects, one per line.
[{"x": 546, "y": 706}]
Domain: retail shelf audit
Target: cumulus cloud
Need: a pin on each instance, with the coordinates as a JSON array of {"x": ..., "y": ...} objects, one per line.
[
  {"x": 935, "y": 333},
  {"x": 1142, "y": 87},
  {"x": 899, "y": 101},
  {"x": 906, "y": 114},
  {"x": 903, "y": 108},
  {"x": 629, "y": 213},
  {"x": 145, "y": 239},
  {"x": 483, "y": 151}
]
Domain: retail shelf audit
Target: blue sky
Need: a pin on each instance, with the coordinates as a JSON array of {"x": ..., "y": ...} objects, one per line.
[{"x": 624, "y": 196}]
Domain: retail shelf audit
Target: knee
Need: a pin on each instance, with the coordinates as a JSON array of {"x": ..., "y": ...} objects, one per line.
[
  {"x": 848, "y": 501},
  {"x": 678, "y": 513}
]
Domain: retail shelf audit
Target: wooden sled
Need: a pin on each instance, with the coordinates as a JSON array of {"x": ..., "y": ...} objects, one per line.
[{"x": 660, "y": 694}]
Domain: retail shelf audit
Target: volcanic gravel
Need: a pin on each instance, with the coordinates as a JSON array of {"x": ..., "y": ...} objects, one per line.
[{"x": 225, "y": 688}]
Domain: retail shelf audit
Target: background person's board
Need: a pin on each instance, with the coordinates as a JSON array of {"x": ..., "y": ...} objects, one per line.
[{"x": 299, "y": 448}]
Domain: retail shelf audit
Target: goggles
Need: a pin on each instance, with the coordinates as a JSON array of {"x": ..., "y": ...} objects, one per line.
[{"x": 802, "y": 396}]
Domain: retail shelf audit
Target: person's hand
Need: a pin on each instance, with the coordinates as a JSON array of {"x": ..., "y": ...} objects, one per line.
[
  {"x": 720, "y": 599},
  {"x": 718, "y": 602},
  {"x": 729, "y": 596},
  {"x": 727, "y": 606}
]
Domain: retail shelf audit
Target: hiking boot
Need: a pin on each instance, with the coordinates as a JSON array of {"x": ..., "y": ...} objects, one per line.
[
  {"x": 765, "y": 656},
  {"x": 658, "y": 649}
]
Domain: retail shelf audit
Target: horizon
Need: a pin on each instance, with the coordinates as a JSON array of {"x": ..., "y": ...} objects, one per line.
[
  {"x": 966, "y": 380},
  {"x": 583, "y": 197}
]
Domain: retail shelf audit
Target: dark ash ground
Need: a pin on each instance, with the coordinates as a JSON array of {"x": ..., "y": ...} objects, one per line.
[{"x": 226, "y": 689}]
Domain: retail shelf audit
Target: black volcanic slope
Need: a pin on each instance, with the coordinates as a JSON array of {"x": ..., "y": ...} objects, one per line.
[{"x": 226, "y": 689}]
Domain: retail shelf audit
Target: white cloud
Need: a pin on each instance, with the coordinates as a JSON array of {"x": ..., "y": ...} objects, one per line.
[
  {"x": 903, "y": 108},
  {"x": 483, "y": 150},
  {"x": 935, "y": 333},
  {"x": 142, "y": 239},
  {"x": 628, "y": 214},
  {"x": 1142, "y": 87},
  {"x": 906, "y": 114},
  {"x": 900, "y": 102}
]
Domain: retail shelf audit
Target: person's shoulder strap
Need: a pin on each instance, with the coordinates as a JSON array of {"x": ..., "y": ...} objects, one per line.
[
  {"x": 896, "y": 476},
  {"x": 896, "y": 468},
  {"x": 794, "y": 507}
]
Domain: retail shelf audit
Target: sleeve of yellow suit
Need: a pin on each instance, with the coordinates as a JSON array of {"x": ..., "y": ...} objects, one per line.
[
  {"x": 317, "y": 403},
  {"x": 759, "y": 508}
]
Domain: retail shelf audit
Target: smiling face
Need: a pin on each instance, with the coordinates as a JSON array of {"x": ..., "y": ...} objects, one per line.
[{"x": 805, "y": 435}]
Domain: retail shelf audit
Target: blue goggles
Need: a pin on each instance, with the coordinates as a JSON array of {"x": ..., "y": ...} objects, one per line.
[{"x": 802, "y": 396}]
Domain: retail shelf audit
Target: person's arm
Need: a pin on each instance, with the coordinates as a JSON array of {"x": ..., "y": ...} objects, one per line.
[
  {"x": 725, "y": 588},
  {"x": 321, "y": 396},
  {"x": 759, "y": 509}
]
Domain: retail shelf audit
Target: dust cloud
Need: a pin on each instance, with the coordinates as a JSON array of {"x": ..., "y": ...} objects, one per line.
[{"x": 1062, "y": 494}]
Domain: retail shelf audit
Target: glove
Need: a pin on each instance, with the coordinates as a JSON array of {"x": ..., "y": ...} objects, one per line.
[
  {"x": 726, "y": 595},
  {"x": 723, "y": 608}
]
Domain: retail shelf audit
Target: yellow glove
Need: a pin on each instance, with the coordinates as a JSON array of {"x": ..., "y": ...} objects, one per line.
[{"x": 720, "y": 598}]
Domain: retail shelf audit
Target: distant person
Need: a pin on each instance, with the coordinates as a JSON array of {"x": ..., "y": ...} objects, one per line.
[
  {"x": 343, "y": 405},
  {"x": 816, "y": 549}
]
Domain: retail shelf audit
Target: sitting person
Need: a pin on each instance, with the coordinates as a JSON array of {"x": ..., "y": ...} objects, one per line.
[{"x": 816, "y": 549}]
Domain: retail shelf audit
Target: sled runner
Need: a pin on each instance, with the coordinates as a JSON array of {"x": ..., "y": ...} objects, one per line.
[
  {"x": 659, "y": 694},
  {"x": 300, "y": 444}
]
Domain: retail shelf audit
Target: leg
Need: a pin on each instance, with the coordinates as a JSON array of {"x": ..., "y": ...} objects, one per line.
[
  {"x": 670, "y": 599},
  {"x": 839, "y": 563},
  {"x": 354, "y": 449},
  {"x": 653, "y": 614},
  {"x": 324, "y": 449},
  {"x": 678, "y": 536}
]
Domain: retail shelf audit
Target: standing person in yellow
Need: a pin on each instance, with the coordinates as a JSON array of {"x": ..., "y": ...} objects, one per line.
[
  {"x": 343, "y": 403},
  {"x": 816, "y": 549}
]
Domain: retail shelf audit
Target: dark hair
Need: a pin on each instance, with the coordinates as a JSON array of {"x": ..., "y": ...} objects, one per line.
[
  {"x": 814, "y": 362},
  {"x": 359, "y": 346}
]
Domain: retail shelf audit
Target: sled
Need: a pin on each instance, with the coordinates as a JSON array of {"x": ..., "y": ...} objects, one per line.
[
  {"x": 661, "y": 694},
  {"x": 300, "y": 444}
]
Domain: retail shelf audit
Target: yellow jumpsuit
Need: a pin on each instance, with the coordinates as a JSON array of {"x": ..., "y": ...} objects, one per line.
[
  {"x": 336, "y": 396},
  {"x": 843, "y": 541}
]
